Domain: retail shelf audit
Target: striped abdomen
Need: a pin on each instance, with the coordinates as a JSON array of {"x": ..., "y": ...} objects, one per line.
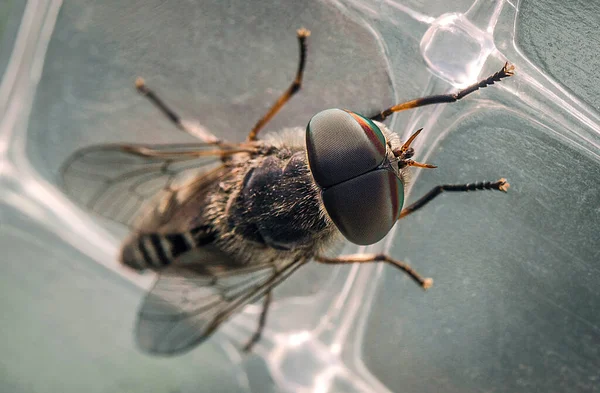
[{"x": 157, "y": 250}]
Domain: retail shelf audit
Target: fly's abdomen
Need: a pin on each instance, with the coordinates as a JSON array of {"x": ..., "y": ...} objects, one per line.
[{"x": 157, "y": 250}]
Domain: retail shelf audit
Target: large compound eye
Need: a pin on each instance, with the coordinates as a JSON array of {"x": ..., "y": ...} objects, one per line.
[
  {"x": 366, "y": 207},
  {"x": 342, "y": 145}
]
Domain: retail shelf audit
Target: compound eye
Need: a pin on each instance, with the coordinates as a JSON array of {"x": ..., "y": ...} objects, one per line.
[
  {"x": 366, "y": 207},
  {"x": 342, "y": 145}
]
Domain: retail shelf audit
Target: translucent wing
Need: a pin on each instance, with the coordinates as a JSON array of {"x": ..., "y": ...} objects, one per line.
[
  {"x": 117, "y": 181},
  {"x": 190, "y": 301}
]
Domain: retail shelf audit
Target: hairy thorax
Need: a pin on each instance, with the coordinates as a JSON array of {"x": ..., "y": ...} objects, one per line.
[{"x": 269, "y": 204}]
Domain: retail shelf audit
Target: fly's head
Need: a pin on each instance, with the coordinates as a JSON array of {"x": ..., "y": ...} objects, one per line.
[{"x": 358, "y": 165}]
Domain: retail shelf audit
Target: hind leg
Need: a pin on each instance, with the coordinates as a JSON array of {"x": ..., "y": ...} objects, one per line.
[{"x": 261, "y": 324}]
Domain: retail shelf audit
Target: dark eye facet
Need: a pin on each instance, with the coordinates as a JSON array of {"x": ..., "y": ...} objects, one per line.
[
  {"x": 342, "y": 145},
  {"x": 366, "y": 207}
]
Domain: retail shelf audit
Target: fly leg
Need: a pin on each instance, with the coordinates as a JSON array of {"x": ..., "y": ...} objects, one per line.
[
  {"x": 189, "y": 127},
  {"x": 368, "y": 258},
  {"x": 293, "y": 89},
  {"x": 261, "y": 324},
  {"x": 500, "y": 185},
  {"x": 505, "y": 72}
]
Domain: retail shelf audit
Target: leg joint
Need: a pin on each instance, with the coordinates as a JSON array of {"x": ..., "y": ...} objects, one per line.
[{"x": 295, "y": 87}]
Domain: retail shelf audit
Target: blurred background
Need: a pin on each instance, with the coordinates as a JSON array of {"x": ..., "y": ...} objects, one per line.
[{"x": 515, "y": 302}]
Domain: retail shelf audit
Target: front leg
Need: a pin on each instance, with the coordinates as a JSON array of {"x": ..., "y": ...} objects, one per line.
[
  {"x": 366, "y": 258},
  {"x": 506, "y": 71},
  {"x": 500, "y": 185}
]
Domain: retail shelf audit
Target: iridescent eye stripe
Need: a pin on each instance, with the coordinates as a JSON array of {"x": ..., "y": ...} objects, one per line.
[
  {"x": 393, "y": 180},
  {"x": 370, "y": 133}
]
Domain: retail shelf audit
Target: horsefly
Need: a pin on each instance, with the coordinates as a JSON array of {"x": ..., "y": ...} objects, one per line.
[{"x": 223, "y": 223}]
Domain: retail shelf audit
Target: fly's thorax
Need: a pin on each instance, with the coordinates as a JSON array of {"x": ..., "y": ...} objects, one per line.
[
  {"x": 289, "y": 138},
  {"x": 270, "y": 204}
]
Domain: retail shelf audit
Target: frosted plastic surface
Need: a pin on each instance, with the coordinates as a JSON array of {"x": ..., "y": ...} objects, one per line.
[{"x": 515, "y": 302}]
